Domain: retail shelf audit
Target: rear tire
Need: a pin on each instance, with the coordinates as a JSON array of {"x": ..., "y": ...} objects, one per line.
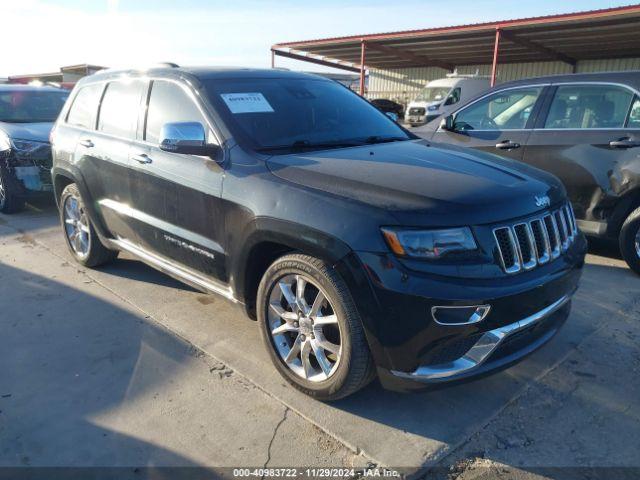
[
  {"x": 80, "y": 235},
  {"x": 9, "y": 201},
  {"x": 630, "y": 240},
  {"x": 323, "y": 315}
]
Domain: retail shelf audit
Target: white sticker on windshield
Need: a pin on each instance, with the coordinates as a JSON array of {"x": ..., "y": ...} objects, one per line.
[{"x": 246, "y": 102}]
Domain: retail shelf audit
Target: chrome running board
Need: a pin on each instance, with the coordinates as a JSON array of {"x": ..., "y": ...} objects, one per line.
[
  {"x": 174, "y": 270},
  {"x": 482, "y": 349}
]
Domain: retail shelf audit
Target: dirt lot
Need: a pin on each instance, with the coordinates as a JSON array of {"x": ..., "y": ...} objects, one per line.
[{"x": 123, "y": 366}]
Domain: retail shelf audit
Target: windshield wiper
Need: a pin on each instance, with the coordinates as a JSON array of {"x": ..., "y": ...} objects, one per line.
[
  {"x": 307, "y": 145},
  {"x": 378, "y": 139}
]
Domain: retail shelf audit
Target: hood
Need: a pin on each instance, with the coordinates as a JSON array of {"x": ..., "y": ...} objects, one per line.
[
  {"x": 422, "y": 184},
  {"x": 38, "y": 132},
  {"x": 425, "y": 104}
]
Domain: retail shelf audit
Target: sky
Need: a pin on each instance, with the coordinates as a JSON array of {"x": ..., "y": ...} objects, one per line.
[{"x": 41, "y": 36}]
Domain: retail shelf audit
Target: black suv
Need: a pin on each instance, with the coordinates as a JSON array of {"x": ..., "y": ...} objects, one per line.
[
  {"x": 359, "y": 248},
  {"x": 583, "y": 128},
  {"x": 27, "y": 114}
]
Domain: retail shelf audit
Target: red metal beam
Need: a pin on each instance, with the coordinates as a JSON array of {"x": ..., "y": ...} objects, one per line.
[
  {"x": 318, "y": 60},
  {"x": 538, "y": 48},
  {"x": 363, "y": 58},
  {"x": 496, "y": 50},
  {"x": 405, "y": 55}
]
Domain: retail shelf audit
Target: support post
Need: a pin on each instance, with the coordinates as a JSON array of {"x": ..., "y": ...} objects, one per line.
[
  {"x": 273, "y": 59},
  {"x": 496, "y": 49},
  {"x": 363, "y": 57}
]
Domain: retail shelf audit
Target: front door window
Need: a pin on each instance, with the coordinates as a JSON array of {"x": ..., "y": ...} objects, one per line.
[{"x": 506, "y": 110}]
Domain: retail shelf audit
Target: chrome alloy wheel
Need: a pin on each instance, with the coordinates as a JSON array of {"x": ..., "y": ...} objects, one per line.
[
  {"x": 76, "y": 225},
  {"x": 304, "y": 327}
]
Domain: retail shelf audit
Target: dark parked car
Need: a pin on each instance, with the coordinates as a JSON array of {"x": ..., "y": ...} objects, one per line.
[
  {"x": 583, "y": 128},
  {"x": 358, "y": 247},
  {"x": 27, "y": 114},
  {"x": 388, "y": 106}
]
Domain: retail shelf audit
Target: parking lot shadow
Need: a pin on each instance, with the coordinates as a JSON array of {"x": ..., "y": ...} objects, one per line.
[
  {"x": 41, "y": 214},
  {"x": 604, "y": 248},
  {"x": 133, "y": 269},
  {"x": 70, "y": 362}
]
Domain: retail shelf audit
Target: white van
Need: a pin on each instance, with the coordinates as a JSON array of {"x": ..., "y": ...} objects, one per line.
[{"x": 441, "y": 95}]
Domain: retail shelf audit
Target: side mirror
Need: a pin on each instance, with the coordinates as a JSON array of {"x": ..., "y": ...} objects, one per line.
[
  {"x": 393, "y": 116},
  {"x": 448, "y": 124},
  {"x": 186, "y": 137}
]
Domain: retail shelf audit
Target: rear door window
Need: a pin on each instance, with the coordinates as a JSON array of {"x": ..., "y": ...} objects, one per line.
[
  {"x": 506, "y": 110},
  {"x": 169, "y": 103},
  {"x": 589, "y": 106},
  {"x": 85, "y": 105},
  {"x": 119, "y": 108}
]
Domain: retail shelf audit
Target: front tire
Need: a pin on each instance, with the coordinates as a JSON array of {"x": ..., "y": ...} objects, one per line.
[
  {"x": 9, "y": 201},
  {"x": 80, "y": 235},
  {"x": 630, "y": 240},
  {"x": 311, "y": 328}
]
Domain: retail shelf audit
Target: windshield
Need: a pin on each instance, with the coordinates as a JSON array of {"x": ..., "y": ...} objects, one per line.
[
  {"x": 29, "y": 106},
  {"x": 277, "y": 115},
  {"x": 433, "y": 94}
]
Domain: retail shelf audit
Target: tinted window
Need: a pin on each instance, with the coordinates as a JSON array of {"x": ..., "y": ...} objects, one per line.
[
  {"x": 589, "y": 106},
  {"x": 119, "y": 108},
  {"x": 634, "y": 115},
  {"x": 85, "y": 105},
  {"x": 31, "y": 106},
  {"x": 273, "y": 113},
  {"x": 169, "y": 103},
  {"x": 507, "y": 110}
]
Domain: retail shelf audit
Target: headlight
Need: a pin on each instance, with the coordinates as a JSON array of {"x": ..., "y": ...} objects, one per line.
[
  {"x": 429, "y": 244},
  {"x": 27, "y": 147},
  {"x": 433, "y": 108}
]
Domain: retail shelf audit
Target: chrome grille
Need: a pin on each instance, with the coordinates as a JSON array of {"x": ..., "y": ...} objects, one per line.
[{"x": 525, "y": 245}]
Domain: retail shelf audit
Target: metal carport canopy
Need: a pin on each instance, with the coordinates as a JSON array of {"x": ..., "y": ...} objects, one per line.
[{"x": 595, "y": 34}]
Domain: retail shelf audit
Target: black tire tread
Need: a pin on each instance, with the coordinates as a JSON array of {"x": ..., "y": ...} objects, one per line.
[
  {"x": 98, "y": 253},
  {"x": 12, "y": 203},
  {"x": 627, "y": 239},
  {"x": 361, "y": 369}
]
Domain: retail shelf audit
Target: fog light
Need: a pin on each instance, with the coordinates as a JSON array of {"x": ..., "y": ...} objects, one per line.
[{"x": 452, "y": 315}]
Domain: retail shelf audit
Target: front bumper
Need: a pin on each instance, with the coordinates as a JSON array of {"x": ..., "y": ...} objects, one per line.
[
  {"x": 28, "y": 176},
  {"x": 480, "y": 354},
  {"x": 421, "y": 119},
  {"x": 410, "y": 346}
]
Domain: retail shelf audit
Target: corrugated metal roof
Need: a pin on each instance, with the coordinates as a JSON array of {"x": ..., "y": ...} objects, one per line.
[{"x": 605, "y": 33}]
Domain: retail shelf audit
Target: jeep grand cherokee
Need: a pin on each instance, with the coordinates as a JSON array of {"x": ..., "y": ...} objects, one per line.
[{"x": 360, "y": 249}]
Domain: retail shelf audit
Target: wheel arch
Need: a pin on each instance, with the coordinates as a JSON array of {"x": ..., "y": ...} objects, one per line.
[
  {"x": 62, "y": 177},
  {"x": 268, "y": 239},
  {"x": 625, "y": 205}
]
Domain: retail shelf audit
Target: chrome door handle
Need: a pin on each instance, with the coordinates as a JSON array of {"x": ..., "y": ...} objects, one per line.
[
  {"x": 86, "y": 143},
  {"x": 142, "y": 158},
  {"x": 624, "y": 143},
  {"x": 507, "y": 145}
]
